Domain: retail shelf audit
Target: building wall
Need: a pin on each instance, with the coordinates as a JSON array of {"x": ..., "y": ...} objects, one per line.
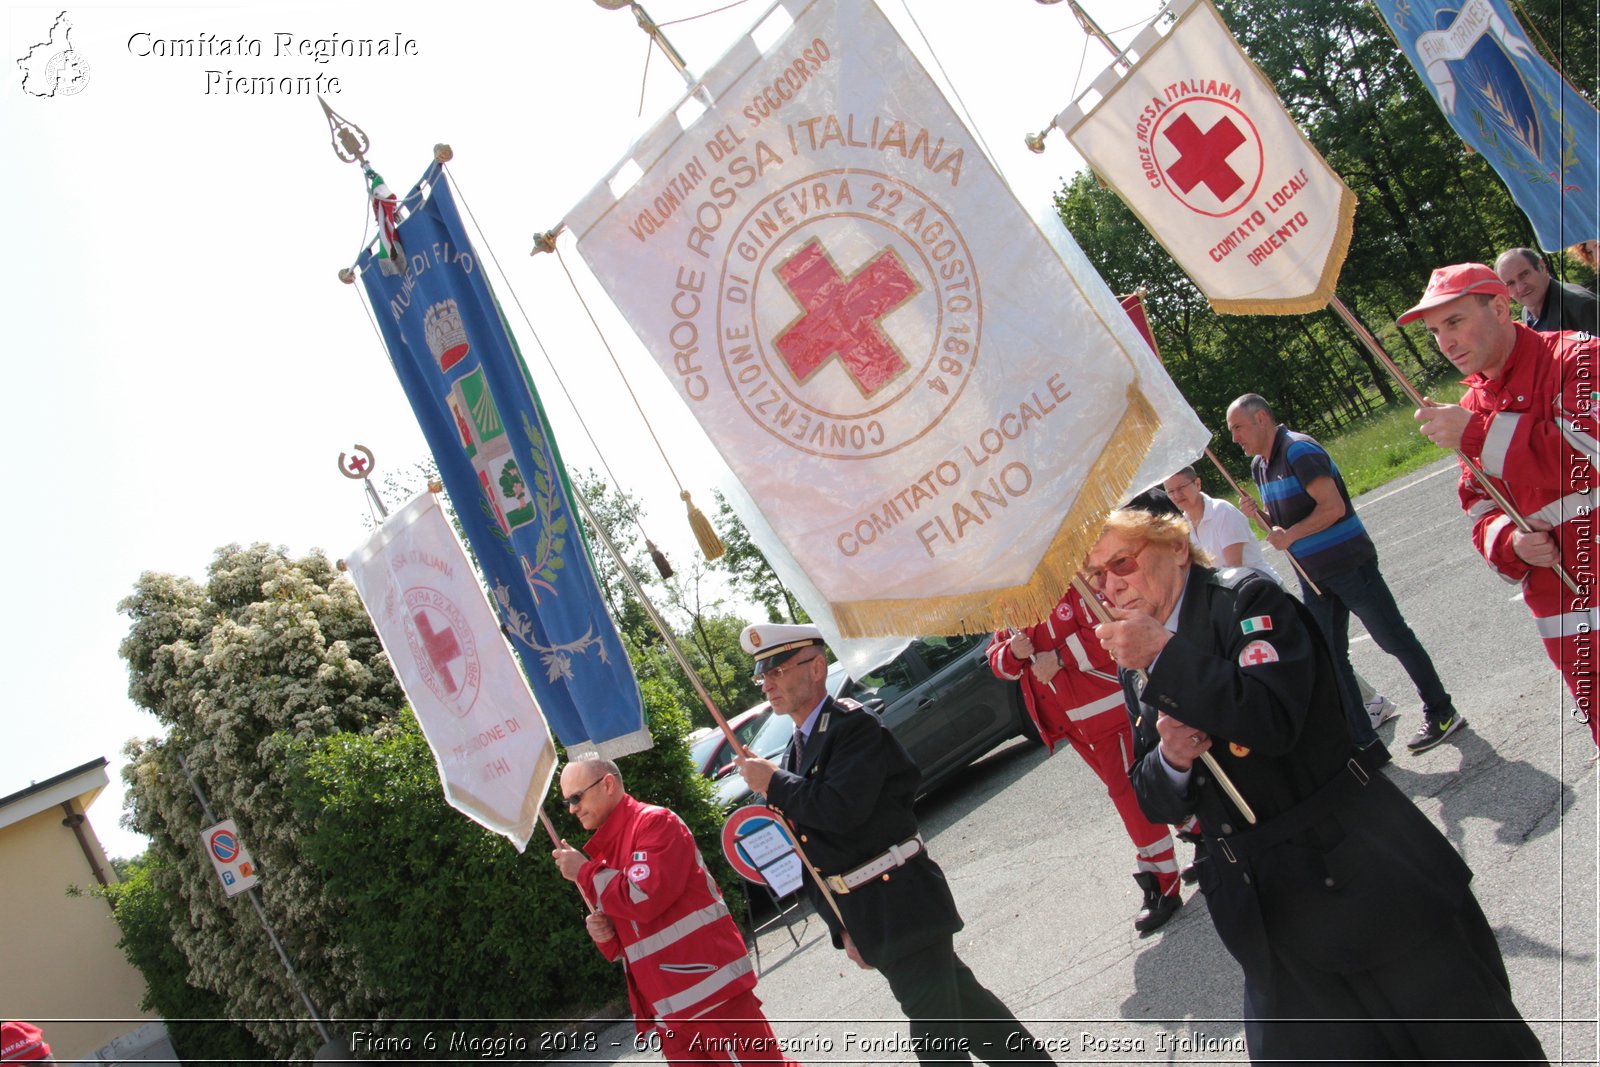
[{"x": 63, "y": 969}]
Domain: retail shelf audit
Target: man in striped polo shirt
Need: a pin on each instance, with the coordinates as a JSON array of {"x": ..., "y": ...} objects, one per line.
[{"x": 1310, "y": 517}]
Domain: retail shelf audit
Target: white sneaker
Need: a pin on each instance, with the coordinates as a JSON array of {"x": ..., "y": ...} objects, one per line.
[{"x": 1380, "y": 709}]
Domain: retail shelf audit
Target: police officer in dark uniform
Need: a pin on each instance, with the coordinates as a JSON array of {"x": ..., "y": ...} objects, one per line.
[
  {"x": 1340, "y": 900},
  {"x": 847, "y": 785}
]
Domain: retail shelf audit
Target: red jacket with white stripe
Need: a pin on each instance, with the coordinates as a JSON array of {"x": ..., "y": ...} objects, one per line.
[
  {"x": 682, "y": 952},
  {"x": 1533, "y": 429},
  {"x": 1084, "y": 698}
]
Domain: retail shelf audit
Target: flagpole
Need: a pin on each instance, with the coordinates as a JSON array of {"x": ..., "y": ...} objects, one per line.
[
  {"x": 1364, "y": 335},
  {"x": 1098, "y": 610},
  {"x": 1238, "y": 491},
  {"x": 699, "y": 686}
]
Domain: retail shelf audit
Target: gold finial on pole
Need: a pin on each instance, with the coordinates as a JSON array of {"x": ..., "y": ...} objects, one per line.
[
  {"x": 350, "y": 143},
  {"x": 1035, "y": 141},
  {"x": 546, "y": 242},
  {"x": 648, "y": 25}
]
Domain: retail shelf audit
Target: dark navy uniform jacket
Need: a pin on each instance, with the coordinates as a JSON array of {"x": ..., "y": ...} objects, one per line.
[
  {"x": 1342, "y": 872},
  {"x": 849, "y": 799}
]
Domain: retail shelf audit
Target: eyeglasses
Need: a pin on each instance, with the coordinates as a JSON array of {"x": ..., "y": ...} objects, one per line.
[
  {"x": 577, "y": 798},
  {"x": 1182, "y": 487},
  {"x": 775, "y": 673},
  {"x": 1121, "y": 566}
]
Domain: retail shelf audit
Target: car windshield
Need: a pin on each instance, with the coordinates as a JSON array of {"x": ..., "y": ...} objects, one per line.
[
  {"x": 773, "y": 737},
  {"x": 701, "y": 750}
]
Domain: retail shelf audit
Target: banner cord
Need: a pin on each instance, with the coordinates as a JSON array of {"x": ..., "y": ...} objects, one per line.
[
  {"x": 537, "y": 340},
  {"x": 966, "y": 112},
  {"x": 606, "y": 344}
]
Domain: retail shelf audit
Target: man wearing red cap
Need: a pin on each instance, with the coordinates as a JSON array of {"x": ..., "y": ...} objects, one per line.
[{"x": 1528, "y": 419}]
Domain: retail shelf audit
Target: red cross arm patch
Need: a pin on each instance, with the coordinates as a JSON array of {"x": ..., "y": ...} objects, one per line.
[{"x": 1257, "y": 653}]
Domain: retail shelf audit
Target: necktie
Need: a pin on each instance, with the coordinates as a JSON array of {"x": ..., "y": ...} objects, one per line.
[{"x": 797, "y": 748}]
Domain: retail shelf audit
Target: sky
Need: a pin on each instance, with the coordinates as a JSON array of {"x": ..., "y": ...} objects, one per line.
[{"x": 186, "y": 367}]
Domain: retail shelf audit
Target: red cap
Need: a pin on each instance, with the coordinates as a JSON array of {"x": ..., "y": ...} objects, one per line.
[
  {"x": 1451, "y": 283},
  {"x": 22, "y": 1042}
]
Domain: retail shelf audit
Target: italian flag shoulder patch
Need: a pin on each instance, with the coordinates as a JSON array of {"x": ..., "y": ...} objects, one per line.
[{"x": 1256, "y": 625}]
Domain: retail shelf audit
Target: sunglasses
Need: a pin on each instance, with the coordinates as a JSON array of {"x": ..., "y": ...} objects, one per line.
[
  {"x": 577, "y": 798},
  {"x": 778, "y": 672},
  {"x": 1121, "y": 566}
]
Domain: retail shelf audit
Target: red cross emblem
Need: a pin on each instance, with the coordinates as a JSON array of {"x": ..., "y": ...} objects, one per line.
[
  {"x": 1203, "y": 156},
  {"x": 442, "y": 648},
  {"x": 1256, "y": 653},
  {"x": 842, "y": 316}
]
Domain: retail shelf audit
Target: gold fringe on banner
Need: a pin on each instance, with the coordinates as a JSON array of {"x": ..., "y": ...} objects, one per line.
[
  {"x": 711, "y": 546},
  {"x": 1022, "y": 605},
  {"x": 1318, "y": 299}
]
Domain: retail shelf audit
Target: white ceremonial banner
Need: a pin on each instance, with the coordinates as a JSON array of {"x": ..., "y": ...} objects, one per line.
[
  {"x": 1195, "y": 141},
  {"x": 488, "y": 736},
  {"x": 928, "y": 399}
]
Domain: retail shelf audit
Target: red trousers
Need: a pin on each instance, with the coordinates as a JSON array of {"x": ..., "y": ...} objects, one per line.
[
  {"x": 1110, "y": 756},
  {"x": 733, "y": 1032}
]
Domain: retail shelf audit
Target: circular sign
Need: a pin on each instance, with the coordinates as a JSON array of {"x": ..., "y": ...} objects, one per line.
[
  {"x": 849, "y": 317},
  {"x": 1209, "y": 154},
  {"x": 445, "y": 650},
  {"x": 742, "y": 823},
  {"x": 225, "y": 846}
]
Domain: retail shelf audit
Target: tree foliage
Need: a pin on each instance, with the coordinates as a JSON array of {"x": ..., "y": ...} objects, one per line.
[
  {"x": 1424, "y": 200},
  {"x": 276, "y": 695}
]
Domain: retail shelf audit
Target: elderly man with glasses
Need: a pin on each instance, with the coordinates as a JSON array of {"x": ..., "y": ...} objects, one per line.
[
  {"x": 1349, "y": 912},
  {"x": 847, "y": 786},
  {"x": 658, "y": 909}
]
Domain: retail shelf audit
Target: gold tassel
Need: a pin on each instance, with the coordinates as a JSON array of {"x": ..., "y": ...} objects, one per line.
[
  {"x": 659, "y": 558},
  {"x": 983, "y": 611},
  {"x": 711, "y": 545}
]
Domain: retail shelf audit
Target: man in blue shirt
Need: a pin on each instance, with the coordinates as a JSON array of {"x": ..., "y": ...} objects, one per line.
[{"x": 1310, "y": 517}]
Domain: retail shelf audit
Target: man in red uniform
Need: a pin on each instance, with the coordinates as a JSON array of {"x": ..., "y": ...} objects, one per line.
[
  {"x": 658, "y": 910},
  {"x": 1070, "y": 687},
  {"x": 1528, "y": 418}
]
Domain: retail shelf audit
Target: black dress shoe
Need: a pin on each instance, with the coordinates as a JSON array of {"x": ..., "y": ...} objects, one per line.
[{"x": 1158, "y": 907}]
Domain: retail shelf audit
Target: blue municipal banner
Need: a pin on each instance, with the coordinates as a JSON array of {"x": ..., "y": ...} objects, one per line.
[
  {"x": 466, "y": 381},
  {"x": 1538, "y": 133}
]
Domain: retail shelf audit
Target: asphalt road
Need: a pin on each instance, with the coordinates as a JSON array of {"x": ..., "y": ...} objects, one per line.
[{"x": 1041, "y": 867}]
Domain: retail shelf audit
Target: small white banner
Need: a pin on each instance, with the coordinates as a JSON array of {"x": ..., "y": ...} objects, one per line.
[
  {"x": 488, "y": 737},
  {"x": 228, "y": 855},
  {"x": 929, "y": 399},
  {"x": 1195, "y": 140}
]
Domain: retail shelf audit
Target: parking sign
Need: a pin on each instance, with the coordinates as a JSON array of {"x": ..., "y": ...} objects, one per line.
[{"x": 228, "y": 855}]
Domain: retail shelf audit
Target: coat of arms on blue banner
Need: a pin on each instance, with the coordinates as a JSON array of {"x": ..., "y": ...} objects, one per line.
[
  {"x": 461, "y": 371},
  {"x": 1540, "y": 135}
]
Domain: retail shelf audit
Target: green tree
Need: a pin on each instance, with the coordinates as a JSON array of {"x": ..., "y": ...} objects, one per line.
[
  {"x": 748, "y": 570},
  {"x": 393, "y": 906},
  {"x": 269, "y": 650}
]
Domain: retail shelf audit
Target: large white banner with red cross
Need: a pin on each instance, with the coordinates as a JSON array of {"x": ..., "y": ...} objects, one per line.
[
  {"x": 1193, "y": 138},
  {"x": 489, "y": 739},
  {"x": 929, "y": 400}
]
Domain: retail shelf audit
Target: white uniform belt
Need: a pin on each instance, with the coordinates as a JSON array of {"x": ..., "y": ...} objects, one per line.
[{"x": 896, "y": 856}]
